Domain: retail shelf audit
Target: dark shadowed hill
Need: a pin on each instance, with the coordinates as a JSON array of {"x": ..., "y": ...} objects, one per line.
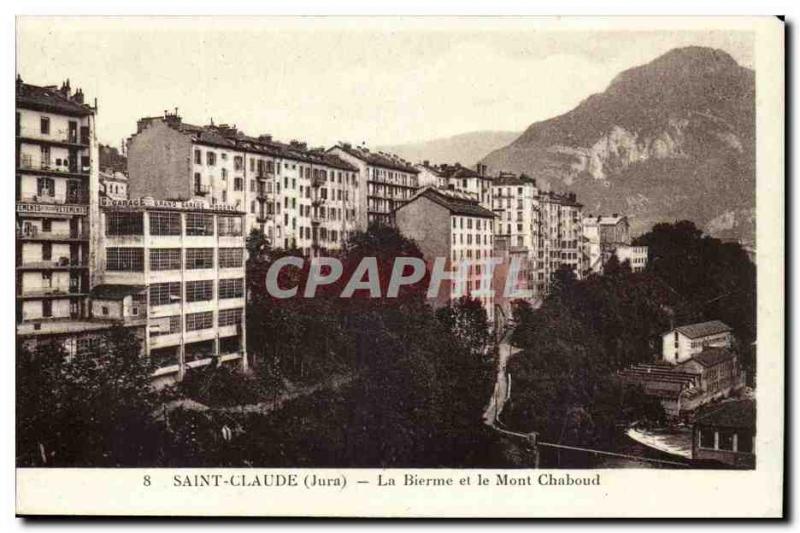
[
  {"x": 668, "y": 140},
  {"x": 467, "y": 148}
]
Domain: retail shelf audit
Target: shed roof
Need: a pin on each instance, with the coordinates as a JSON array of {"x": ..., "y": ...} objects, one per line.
[
  {"x": 703, "y": 329},
  {"x": 115, "y": 291},
  {"x": 713, "y": 356},
  {"x": 731, "y": 414},
  {"x": 456, "y": 203}
]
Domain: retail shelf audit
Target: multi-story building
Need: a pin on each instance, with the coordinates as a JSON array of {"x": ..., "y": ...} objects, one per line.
[
  {"x": 605, "y": 236},
  {"x": 517, "y": 229},
  {"x": 726, "y": 433},
  {"x": 430, "y": 176},
  {"x": 454, "y": 227},
  {"x": 561, "y": 236},
  {"x": 699, "y": 365},
  {"x": 113, "y": 184},
  {"x": 180, "y": 265},
  {"x": 681, "y": 343},
  {"x": 300, "y": 197},
  {"x": 56, "y": 202},
  {"x": 389, "y": 182},
  {"x": 474, "y": 182}
]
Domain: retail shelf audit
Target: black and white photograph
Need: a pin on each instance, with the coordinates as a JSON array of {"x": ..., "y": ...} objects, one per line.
[{"x": 262, "y": 252}]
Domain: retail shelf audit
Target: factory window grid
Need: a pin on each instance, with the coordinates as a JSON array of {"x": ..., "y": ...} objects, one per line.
[
  {"x": 199, "y": 224},
  {"x": 197, "y": 321},
  {"x": 199, "y": 258},
  {"x": 199, "y": 291},
  {"x": 231, "y": 258},
  {"x": 165, "y": 223},
  {"x": 125, "y": 259},
  {"x": 231, "y": 288},
  {"x": 122, "y": 223},
  {"x": 230, "y": 226},
  {"x": 165, "y": 293},
  {"x": 165, "y": 259},
  {"x": 229, "y": 317}
]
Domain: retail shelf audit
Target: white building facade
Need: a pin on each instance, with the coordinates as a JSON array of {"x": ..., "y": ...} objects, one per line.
[
  {"x": 56, "y": 202},
  {"x": 184, "y": 264}
]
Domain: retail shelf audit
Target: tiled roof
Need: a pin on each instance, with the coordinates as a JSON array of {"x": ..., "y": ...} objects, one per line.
[
  {"x": 703, "y": 329},
  {"x": 512, "y": 180},
  {"x": 50, "y": 98},
  {"x": 713, "y": 356},
  {"x": 115, "y": 292},
  {"x": 226, "y": 137},
  {"x": 379, "y": 159},
  {"x": 457, "y": 203},
  {"x": 457, "y": 171},
  {"x": 731, "y": 414},
  {"x": 560, "y": 198}
]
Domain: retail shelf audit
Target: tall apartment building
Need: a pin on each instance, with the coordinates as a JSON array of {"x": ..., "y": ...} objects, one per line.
[
  {"x": 517, "y": 229},
  {"x": 453, "y": 226},
  {"x": 610, "y": 235},
  {"x": 56, "y": 204},
  {"x": 561, "y": 236},
  {"x": 300, "y": 197},
  {"x": 179, "y": 268},
  {"x": 389, "y": 182}
]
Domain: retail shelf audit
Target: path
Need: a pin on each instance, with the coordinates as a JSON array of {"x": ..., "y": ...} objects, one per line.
[{"x": 501, "y": 391}]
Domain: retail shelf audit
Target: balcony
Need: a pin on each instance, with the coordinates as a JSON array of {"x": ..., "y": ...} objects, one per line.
[
  {"x": 51, "y": 292},
  {"x": 201, "y": 190},
  {"x": 33, "y": 234},
  {"x": 28, "y": 164},
  {"x": 63, "y": 263},
  {"x": 60, "y": 137}
]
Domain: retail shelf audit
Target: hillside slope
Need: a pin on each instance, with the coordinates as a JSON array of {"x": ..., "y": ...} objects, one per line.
[{"x": 671, "y": 139}]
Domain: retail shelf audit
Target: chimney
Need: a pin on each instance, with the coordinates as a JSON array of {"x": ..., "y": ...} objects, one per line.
[
  {"x": 426, "y": 163},
  {"x": 78, "y": 96}
]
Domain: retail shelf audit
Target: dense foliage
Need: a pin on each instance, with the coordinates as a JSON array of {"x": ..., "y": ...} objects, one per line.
[
  {"x": 586, "y": 330},
  {"x": 89, "y": 410}
]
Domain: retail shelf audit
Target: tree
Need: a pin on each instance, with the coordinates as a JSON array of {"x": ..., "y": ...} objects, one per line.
[
  {"x": 717, "y": 279},
  {"x": 467, "y": 320},
  {"x": 91, "y": 409}
]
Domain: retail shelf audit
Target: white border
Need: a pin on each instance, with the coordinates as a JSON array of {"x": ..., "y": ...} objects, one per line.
[{"x": 770, "y": 287}]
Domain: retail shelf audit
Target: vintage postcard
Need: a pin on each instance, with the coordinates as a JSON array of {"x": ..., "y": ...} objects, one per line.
[{"x": 399, "y": 266}]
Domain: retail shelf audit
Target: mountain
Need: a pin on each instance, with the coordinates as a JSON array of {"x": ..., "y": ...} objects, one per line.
[
  {"x": 671, "y": 139},
  {"x": 466, "y": 148}
]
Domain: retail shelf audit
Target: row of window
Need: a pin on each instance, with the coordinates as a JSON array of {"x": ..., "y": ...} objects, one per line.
[
  {"x": 167, "y": 223},
  {"x": 132, "y": 259},
  {"x": 196, "y": 291},
  {"x": 198, "y": 321}
]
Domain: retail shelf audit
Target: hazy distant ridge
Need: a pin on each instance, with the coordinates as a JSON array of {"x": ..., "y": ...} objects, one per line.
[{"x": 466, "y": 148}]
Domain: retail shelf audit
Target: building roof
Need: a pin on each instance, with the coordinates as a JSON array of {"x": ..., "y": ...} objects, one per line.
[
  {"x": 433, "y": 169},
  {"x": 105, "y": 175},
  {"x": 703, "y": 329},
  {"x": 730, "y": 414},
  {"x": 713, "y": 356},
  {"x": 457, "y": 203},
  {"x": 52, "y": 98},
  {"x": 378, "y": 159},
  {"x": 603, "y": 220},
  {"x": 569, "y": 199},
  {"x": 115, "y": 291},
  {"x": 225, "y": 136},
  {"x": 507, "y": 179}
]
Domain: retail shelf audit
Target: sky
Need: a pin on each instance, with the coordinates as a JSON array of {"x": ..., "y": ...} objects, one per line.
[{"x": 326, "y": 80}]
